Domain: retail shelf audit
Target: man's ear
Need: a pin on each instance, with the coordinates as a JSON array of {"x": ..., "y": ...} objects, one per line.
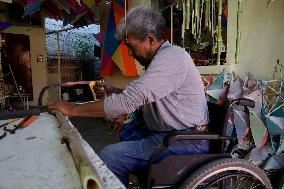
[{"x": 151, "y": 38}]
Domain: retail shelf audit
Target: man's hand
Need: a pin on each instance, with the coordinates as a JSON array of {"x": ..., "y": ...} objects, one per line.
[
  {"x": 100, "y": 89},
  {"x": 62, "y": 106},
  {"x": 117, "y": 124}
]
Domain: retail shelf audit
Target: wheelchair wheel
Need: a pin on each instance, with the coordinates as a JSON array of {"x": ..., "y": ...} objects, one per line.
[{"x": 228, "y": 174}]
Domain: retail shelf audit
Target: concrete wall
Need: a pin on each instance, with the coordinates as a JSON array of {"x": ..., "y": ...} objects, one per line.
[
  {"x": 37, "y": 47},
  {"x": 262, "y": 40}
]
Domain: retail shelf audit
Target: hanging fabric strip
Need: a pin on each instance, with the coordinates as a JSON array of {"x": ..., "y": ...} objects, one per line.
[
  {"x": 187, "y": 18},
  {"x": 33, "y": 8},
  {"x": 200, "y": 20},
  {"x": 219, "y": 33},
  {"x": 207, "y": 12},
  {"x": 192, "y": 16},
  {"x": 172, "y": 24},
  {"x": 184, "y": 20},
  {"x": 196, "y": 19}
]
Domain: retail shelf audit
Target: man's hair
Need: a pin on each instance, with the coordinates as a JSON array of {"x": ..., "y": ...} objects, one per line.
[{"x": 140, "y": 21}]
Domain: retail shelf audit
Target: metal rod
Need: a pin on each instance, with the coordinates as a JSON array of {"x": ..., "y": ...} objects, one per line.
[
  {"x": 62, "y": 30},
  {"x": 17, "y": 87}
]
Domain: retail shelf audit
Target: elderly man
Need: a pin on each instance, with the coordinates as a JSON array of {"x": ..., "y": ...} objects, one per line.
[{"x": 170, "y": 94}]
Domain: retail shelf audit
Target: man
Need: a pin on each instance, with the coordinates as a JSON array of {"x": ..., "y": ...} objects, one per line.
[{"x": 170, "y": 93}]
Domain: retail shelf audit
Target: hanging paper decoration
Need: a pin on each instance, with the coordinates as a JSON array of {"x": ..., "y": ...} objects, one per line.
[
  {"x": 32, "y": 6},
  {"x": 74, "y": 4},
  {"x": 62, "y": 4},
  {"x": 79, "y": 2},
  {"x": 75, "y": 12},
  {"x": 269, "y": 3},
  {"x": 4, "y": 25},
  {"x": 116, "y": 53},
  {"x": 98, "y": 1},
  {"x": 89, "y": 3},
  {"x": 51, "y": 10},
  {"x": 215, "y": 90},
  {"x": 100, "y": 37}
]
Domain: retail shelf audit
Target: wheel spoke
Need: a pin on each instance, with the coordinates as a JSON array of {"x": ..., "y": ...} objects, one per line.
[
  {"x": 237, "y": 181},
  {"x": 228, "y": 174}
]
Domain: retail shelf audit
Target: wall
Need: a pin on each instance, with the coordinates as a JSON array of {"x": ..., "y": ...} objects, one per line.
[
  {"x": 262, "y": 41},
  {"x": 37, "y": 46}
]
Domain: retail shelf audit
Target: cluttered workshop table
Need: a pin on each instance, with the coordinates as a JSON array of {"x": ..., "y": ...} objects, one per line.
[{"x": 46, "y": 151}]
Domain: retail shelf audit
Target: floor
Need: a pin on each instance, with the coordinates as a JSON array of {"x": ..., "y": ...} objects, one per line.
[
  {"x": 94, "y": 131},
  {"x": 98, "y": 135}
]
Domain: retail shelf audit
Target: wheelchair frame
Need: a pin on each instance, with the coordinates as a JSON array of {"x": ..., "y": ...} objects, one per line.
[{"x": 172, "y": 171}]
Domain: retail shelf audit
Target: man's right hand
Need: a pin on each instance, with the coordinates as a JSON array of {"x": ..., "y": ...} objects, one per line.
[
  {"x": 62, "y": 106},
  {"x": 100, "y": 89}
]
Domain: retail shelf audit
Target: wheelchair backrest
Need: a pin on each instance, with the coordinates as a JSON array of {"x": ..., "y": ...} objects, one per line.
[{"x": 218, "y": 116}]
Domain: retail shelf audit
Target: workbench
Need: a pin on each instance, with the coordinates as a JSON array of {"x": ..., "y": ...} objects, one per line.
[{"x": 51, "y": 154}]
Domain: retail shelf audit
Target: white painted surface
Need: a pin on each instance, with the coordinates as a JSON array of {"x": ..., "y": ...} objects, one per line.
[
  {"x": 34, "y": 158},
  {"x": 91, "y": 165}
]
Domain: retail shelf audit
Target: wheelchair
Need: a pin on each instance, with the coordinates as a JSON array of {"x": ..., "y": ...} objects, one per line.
[{"x": 216, "y": 169}]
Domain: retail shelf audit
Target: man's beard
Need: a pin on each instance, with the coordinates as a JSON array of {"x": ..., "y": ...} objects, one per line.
[{"x": 143, "y": 61}]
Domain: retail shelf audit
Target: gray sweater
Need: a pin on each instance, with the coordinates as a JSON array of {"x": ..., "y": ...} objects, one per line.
[{"x": 170, "y": 91}]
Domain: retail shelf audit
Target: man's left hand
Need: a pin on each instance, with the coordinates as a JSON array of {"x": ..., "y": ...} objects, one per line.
[{"x": 62, "y": 106}]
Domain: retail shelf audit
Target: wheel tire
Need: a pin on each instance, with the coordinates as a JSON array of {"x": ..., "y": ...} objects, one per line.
[{"x": 222, "y": 165}]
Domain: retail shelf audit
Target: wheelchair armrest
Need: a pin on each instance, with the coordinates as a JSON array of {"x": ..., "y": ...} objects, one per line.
[
  {"x": 189, "y": 135},
  {"x": 244, "y": 102}
]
